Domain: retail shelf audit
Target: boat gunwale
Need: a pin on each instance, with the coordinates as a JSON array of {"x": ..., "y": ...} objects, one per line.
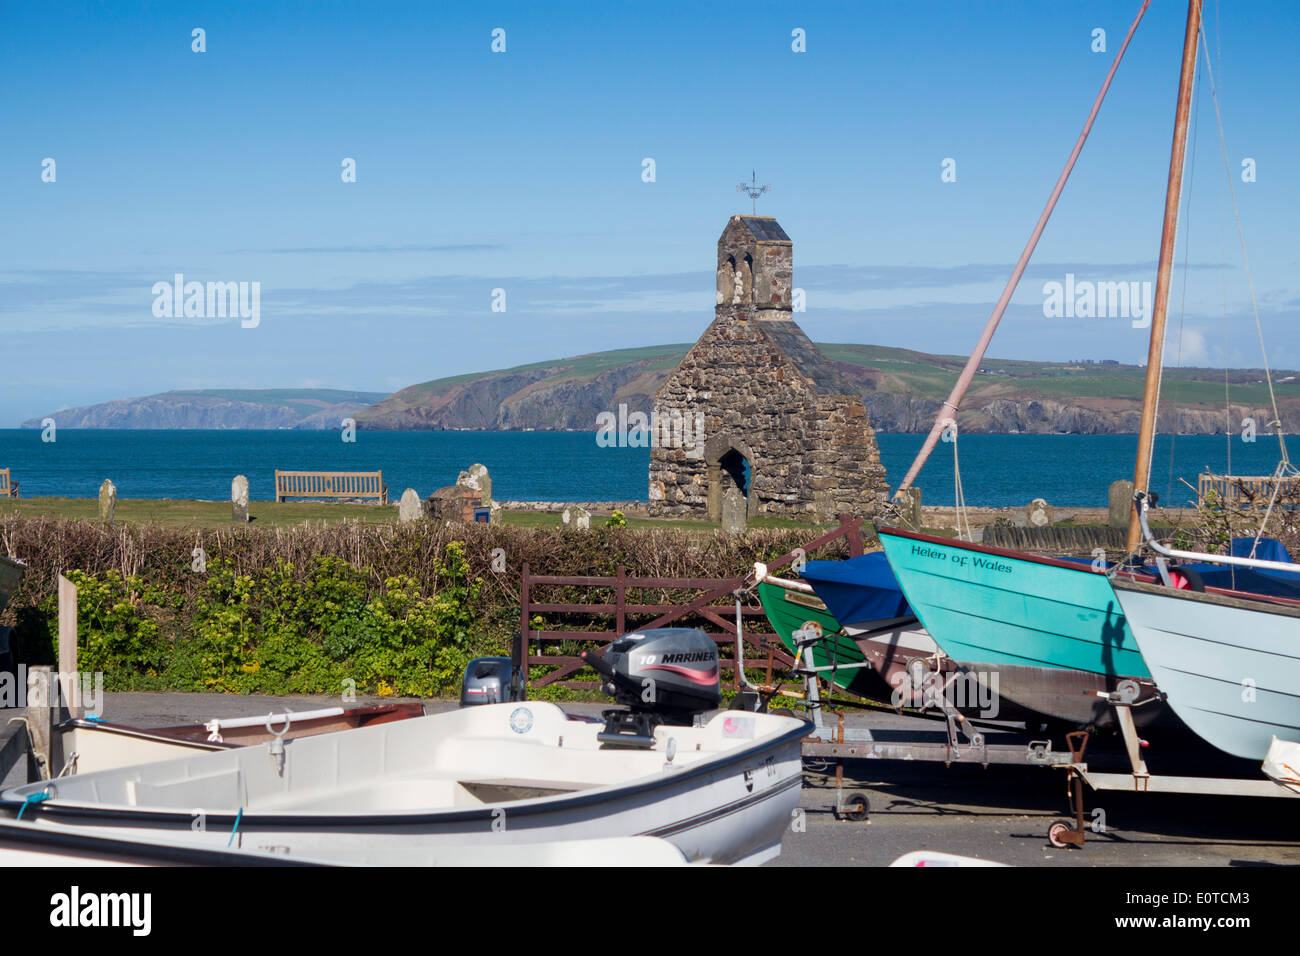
[
  {"x": 1241, "y": 600},
  {"x": 140, "y": 733},
  {"x": 368, "y": 820},
  {"x": 1125, "y": 576}
]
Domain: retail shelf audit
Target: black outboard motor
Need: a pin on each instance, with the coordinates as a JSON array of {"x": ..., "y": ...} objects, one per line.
[
  {"x": 663, "y": 676},
  {"x": 491, "y": 680}
]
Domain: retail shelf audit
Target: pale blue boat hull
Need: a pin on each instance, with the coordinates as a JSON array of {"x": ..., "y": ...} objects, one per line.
[{"x": 1229, "y": 667}]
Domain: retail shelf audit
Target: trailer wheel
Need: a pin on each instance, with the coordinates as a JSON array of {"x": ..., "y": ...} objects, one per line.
[
  {"x": 1054, "y": 834},
  {"x": 855, "y": 808}
]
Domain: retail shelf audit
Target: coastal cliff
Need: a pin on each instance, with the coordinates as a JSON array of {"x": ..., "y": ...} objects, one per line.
[{"x": 901, "y": 389}]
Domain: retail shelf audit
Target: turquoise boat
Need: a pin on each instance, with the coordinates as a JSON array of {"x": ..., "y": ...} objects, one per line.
[{"x": 1050, "y": 633}]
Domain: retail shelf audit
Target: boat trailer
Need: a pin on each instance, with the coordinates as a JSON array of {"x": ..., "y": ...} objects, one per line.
[
  {"x": 963, "y": 742},
  {"x": 966, "y": 744},
  {"x": 1139, "y": 779}
]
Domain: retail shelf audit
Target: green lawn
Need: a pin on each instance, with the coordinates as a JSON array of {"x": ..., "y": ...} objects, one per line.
[{"x": 208, "y": 514}]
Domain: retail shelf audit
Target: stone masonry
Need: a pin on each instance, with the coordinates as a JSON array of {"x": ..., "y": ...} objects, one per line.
[{"x": 757, "y": 406}]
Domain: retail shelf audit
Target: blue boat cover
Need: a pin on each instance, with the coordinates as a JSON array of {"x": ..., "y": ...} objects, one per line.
[
  {"x": 859, "y": 589},
  {"x": 1269, "y": 549},
  {"x": 1274, "y": 583}
]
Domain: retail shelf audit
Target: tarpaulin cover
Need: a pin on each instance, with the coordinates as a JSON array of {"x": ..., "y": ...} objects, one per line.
[
  {"x": 1254, "y": 580},
  {"x": 859, "y": 589}
]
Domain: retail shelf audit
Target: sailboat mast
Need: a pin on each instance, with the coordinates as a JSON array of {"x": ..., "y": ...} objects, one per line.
[{"x": 1173, "y": 191}]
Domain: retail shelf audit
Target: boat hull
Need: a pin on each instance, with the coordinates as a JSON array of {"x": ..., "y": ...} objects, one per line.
[
  {"x": 788, "y": 610},
  {"x": 1229, "y": 667},
  {"x": 1046, "y": 636},
  {"x": 890, "y": 648},
  {"x": 991, "y": 606},
  {"x": 416, "y": 785}
]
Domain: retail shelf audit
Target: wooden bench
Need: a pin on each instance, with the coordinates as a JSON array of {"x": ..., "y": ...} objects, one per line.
[
  {"x": 330, "y": 484},
  {"x": 8, "y": 488}
]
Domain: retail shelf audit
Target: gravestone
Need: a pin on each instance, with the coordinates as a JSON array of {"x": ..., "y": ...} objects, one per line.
[
  {"x": 909, "y": 508},
  {"x": 1038, "y": 514},
  {"x": 1120, "y": 501},
  {"x": 107, "y": 500},
  {"x": 476, "y": 476},
  {"x": 410, "y": 508},
  {"x": 239, "y": 499},
  {"x": 733, "y": 510},
  {"x": 576, "y": 517}
]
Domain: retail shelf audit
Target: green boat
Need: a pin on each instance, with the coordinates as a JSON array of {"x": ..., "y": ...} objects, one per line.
[{"x": 788, "y": 609}]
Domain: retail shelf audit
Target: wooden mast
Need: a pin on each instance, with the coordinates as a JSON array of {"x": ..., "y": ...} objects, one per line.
[{"x": 1173, "y": 190}]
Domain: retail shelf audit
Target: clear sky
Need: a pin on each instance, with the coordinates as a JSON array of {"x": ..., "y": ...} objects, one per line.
[{"x": 522, "y": 171}]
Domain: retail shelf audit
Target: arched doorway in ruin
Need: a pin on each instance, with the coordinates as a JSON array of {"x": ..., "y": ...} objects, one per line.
[{"x": 730, "y": 464}]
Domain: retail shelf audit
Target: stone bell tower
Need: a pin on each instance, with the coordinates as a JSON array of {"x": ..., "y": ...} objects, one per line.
[{"x": 775, "y": 419}]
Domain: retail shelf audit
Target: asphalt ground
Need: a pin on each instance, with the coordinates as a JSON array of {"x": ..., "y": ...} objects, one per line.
[{"x": 1000, "y": 813}]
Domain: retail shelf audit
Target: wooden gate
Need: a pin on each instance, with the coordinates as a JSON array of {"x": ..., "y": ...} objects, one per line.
[{"x": 713, "y": 610}]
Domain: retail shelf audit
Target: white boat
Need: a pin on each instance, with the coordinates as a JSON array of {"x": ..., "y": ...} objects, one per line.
[
  {"x": 1282, "y": 763},
  {"x": 497, "y": 775},
  {"x": 31, "y": 844},
  {"x": 1230, "y": 667},
  {"x": 90, "y": 744}
]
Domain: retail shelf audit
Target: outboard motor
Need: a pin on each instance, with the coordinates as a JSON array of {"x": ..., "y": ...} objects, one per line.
[
  {"x": 491, "y": 680},
  {"x": 663, "y": 676}
]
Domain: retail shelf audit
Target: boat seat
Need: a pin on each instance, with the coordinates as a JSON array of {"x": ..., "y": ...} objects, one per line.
[
  {"x": 221, "y": 790},
  {"x": 517, "y": 788}
]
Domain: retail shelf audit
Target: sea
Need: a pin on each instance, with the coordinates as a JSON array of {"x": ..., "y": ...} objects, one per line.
[{"x": 996, "y": 470}]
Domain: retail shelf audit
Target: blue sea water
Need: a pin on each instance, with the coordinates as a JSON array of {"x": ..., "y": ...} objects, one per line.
[{"x": 997, "y": 470}]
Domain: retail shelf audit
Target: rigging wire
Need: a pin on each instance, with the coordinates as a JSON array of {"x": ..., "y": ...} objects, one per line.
[
  {"x": 1223, "y": 275},
  {"x": 1276, "y": 424}
]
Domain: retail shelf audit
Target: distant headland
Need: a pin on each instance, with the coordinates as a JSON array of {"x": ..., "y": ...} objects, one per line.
[{"x": 900, "y": 388}]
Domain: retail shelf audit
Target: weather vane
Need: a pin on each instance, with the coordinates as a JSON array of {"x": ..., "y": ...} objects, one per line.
[{"x": 752, "y": 189}]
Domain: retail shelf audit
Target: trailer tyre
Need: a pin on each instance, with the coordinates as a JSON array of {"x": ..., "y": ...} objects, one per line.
[
  {"x": 855, "y": 808},
  {"x": 1055, "y": 833}
]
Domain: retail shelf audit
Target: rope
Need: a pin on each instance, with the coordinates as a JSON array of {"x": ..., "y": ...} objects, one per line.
[
  {"x": 960, "y": 495},
  {"x": 238, "y": 816},
  {"x": 1245, "y": 259},
  {"x": 31, "y": 798}
]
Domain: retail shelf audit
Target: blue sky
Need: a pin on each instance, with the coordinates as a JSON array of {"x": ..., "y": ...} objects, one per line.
[{"x": 522, "y": 170}]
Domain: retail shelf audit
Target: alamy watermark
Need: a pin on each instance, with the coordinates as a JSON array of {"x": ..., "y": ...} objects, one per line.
[
  {"x": 1084, "y": 299},
  {"x": 659, "y": 429},
  {"x": 211, "y": 300},
  {"x": 79, "y": 690},
  {"x": 930, "y": 690}
]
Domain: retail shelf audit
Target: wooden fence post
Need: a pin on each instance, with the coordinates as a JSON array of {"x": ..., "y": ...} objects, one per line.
[
  {"x": 620, "y": 601},
  {"x": 40, "y": 722},
  {"x": 69, "y": 678},
  {"x": 521, "y": 656},
  {"x": 854, "y": 533}
]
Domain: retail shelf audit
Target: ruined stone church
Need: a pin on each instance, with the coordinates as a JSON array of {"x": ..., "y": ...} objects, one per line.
[{"x": 779, "y": 422}]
